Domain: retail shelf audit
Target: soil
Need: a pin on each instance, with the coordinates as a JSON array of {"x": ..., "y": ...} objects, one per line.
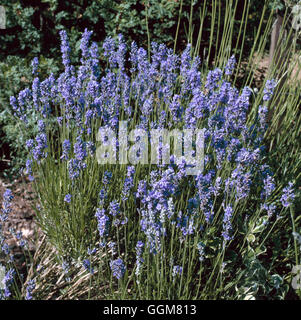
[{"x": 20, "y": 219}]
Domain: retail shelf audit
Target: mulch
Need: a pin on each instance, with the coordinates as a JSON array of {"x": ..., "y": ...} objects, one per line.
[{"x": 22, "y": 218}]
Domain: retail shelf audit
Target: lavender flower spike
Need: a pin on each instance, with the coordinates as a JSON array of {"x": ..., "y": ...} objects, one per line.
[
  {"x": 118, "y": 268},
  {"x": 288, "y": 195}
]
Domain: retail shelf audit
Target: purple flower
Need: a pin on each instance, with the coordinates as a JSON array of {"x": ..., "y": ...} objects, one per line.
[
  {"x": 107, "y": 177},
  {"x": 30, "y": 143},
  {"x": 118, "y": 268},
  {"x": 128, "y": 183},
  {"x": 112, "y": 247},
  {"x": 139, "y": 259},
  {"x": 262, "y": 114},
  {"x": 74, "y": 168},
  {"x": 91, "y": 147},
  {"x": 269, "y": 89},
  {"x": 13, "y": 103},
  {"x": 270, "y": 209},
  {"x": 288, "y": 195},
  {"x": 36, "y": 92},
  {"x": 41, "y": 144},
  {"x": 114, "y": 208},
  {"x": 41, "y": 126},
  {"x": 65, "y": 49},
  {"x": 227, "y": 226},
  {"x": 59, "y": 120},
  {"x": 8, "y": 196},
  {"x": 230, "y": 66},
  {"x": 176, "y": 270},
  {"x": 80, "y": 149},
  {"x": 87, "y": 265},
  {"x": 120, "y": 54},
  {"x": 102, "y": 195},
  {"x": 175, "y": 108},
  {"x": 28, "y": 169},
  {"x": 65, "y": 267},
  {"x": 269, "y": 186},
  {"x": 102, "y": 222},
  {"x": 67, "y": 198},
  {"x": 84, "y": 45},
  {"x": 35, "y": 64},
  {"x": 5, "y": 249},
  {"x": 186, "y": 60},
  {"x": 133, "y": 57},
  {"x": 94, "y": 58},
  {"x": 7, "y": 281},
  {"x": 213, "y": 78},
  {"x": 91, "y": 251},
  {"x": 109, "y": 47},
  {"x": 6, "y": 205},
  {"x": 141, "y": 189},
  {"x": 66, "y": 150},
  {"x": 240, "y": 183},
  {"x": 29, "y": 289}
]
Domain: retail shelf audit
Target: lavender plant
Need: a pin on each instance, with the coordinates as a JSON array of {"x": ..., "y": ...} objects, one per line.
[{"x": 162, "y": 233}]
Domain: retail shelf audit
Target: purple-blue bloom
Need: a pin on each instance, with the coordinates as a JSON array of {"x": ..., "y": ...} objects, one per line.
[
  {"x": 65, "y": 49},
  {"x": 227, "y": 226},
  {"x": 35, "y": 64},
  {"x": 269, "y": 89},
  {"x": 87, "y": 265},
  {"x": 118, "y": 268},
  {"x": 230, "y": 66},
  {"x": 288, "y": 195},
  {"x": 67, "y": 198},
  {"x": 29, "y": 289},
  {"x": 66, "y": 150},
  {"x": 102, "y": 222}
]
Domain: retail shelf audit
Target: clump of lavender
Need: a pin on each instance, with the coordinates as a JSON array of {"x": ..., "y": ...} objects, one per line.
[{"x": 165, "y": 91}]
